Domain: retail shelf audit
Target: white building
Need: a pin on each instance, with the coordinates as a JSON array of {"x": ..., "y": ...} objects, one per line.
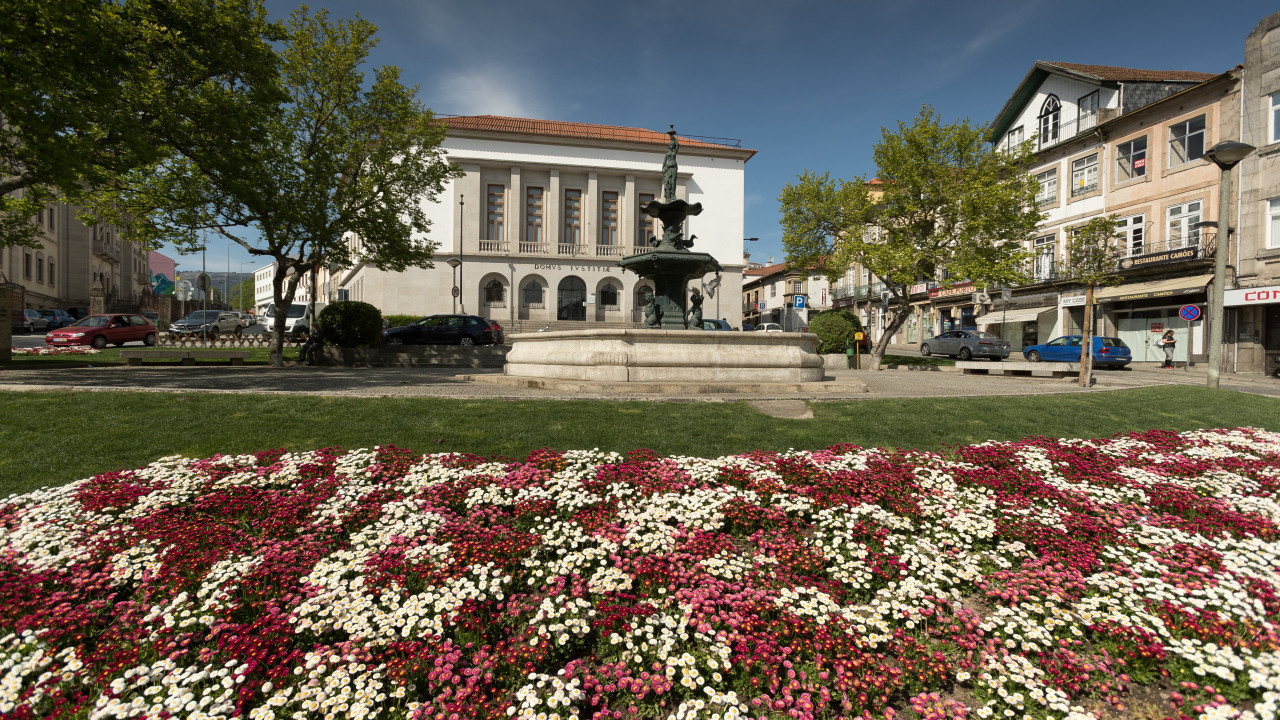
[
  {"x": 264, "y": 290},
  {"x": 548, "y": 208}
]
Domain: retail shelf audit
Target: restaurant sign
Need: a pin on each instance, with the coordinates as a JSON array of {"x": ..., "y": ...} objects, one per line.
[
  {"x": 1168, "y": 256},
  {"x": 961, "y": 289}
]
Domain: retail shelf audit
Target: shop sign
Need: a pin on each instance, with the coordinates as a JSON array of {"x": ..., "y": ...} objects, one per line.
[
  {"x": 1252, "y": 296},
  {"x": 1168, "y": 256},
  {"x": 961, "y": 289},
  {"x": 1071, "y": 301},
  {"x": 1156, "y": 294},
  {"x": 919, "y": 288}
]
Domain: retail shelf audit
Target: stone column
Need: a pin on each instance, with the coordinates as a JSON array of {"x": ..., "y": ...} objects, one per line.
[
  {"x": 515, "y": 211},
  {"x": 591, "y": 215},
  {"x": 552, "y": 207},
  {"x": 628, "y": 216},
  {"x": 97, "y": 299}
]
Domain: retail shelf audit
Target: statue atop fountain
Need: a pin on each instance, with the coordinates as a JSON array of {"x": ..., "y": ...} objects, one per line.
[{"x": 670, "y": 264}]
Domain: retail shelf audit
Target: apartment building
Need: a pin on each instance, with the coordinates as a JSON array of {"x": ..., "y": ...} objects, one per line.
[{"x": 785, "y": 295}]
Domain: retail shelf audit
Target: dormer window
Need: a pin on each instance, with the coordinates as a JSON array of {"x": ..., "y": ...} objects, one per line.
[{"x": 1050, "y": 114}]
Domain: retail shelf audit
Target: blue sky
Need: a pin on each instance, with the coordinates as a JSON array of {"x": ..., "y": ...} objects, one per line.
[{"x": 807, "y": 84}]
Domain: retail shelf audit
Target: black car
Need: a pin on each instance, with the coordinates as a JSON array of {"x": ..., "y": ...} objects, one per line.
[{"x": 445, "y": 330}]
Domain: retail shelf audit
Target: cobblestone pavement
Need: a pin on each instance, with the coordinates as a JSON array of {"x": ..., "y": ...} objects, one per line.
[{"x": 446, "y": 382}]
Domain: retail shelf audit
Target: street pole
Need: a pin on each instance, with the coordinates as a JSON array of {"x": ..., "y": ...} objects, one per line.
[{"x": 1226, "y": 155}]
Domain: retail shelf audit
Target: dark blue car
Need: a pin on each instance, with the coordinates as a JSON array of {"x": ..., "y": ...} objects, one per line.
[
  {"x": 445, "y": 330},
  {"x": 1106, "y": 351}
]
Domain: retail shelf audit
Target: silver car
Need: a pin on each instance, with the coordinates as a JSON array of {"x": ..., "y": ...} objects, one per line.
[{"x": 966, "y": 345}]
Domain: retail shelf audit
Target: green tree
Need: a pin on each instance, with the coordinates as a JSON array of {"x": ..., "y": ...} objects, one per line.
[
  {"x": 1093, "y": 256},
  {"x": 96, "y": 88},
  {"x": 340, "y": 157},
  {"x": 946, "y": 201},
  {"x": 243, "y": 295}
]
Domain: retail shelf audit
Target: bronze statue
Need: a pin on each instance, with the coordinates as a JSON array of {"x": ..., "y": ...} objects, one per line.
[
  {"x": 694, "y": 320},
  {"x": 652, "y": 313},
  {"x": 669, "y": 167}
]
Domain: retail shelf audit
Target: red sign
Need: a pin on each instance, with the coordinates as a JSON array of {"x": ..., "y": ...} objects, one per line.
[
  {"x": 1157, "y": 327},
  {"x": 963, "y": 288},
  {"x": 1139, "y": 163}
]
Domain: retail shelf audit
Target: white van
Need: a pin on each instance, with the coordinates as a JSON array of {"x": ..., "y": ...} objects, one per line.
[{"x": 297, "y": 322}]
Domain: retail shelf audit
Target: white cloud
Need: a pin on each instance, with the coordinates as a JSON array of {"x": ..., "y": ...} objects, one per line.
[{"x": 489, "y": 90}]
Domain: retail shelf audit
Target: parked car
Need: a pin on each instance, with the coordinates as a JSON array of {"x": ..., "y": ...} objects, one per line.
[
  {"x": 206, "y": 323},
  {"x": 78, "y": 312},
  {"x": 445, "y": 330},
  {"x": 1106, "y": 351},
  {"x": 99, "y": 330},
  {"x": 748, "y": 327},
  {"x": 31, "y": 321},
  {"x": 966, "y": 345},
  {"x": 57, "y": 317},
  {"x": 716, "y": 325},
  {"x": 297, "y": 323},
  {"x": 768, "y": 327}
]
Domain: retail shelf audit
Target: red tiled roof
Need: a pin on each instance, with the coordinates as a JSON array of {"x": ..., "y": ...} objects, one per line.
[
  {"x": 584, "y": 131},
  {"x": 1109, "y": 73}
]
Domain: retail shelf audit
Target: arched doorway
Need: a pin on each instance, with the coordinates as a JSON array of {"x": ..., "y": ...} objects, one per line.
[{"x": 572, "y": 300}]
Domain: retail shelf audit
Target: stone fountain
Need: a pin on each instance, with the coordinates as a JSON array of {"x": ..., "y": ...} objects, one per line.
[{"x": 670, "y": 353}]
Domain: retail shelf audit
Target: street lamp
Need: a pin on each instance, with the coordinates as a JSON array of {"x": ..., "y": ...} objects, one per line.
[
  {"x": 455, "y": 263},
  {"x": 1225, "y": 155}
]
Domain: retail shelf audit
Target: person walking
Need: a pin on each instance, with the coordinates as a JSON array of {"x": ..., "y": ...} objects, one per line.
[{"x": 1167, "y": 342}]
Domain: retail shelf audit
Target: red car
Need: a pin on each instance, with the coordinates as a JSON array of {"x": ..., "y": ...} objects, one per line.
[{"x": 99, "y": 330}]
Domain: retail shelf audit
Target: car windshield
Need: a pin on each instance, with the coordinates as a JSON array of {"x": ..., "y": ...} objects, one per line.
[
  {"x": 200, "y": 316},
  {"x": 1112, "y": 342},
  {"x": 297, "y": 310},
  {"x": 92, "y": 321}
]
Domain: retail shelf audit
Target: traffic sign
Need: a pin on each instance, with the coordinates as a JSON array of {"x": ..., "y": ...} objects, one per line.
[
  {"x": 456, "y": 292},
  {"x": 1190, "y": 313},
  {"x": 799, "y": 302}
]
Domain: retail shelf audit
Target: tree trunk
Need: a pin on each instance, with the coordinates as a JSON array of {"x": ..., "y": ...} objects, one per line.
[
  {"x": 1086, "y": 340},
  {"x": 897, "y": 319},
  {"x": 283, "y": 296}
]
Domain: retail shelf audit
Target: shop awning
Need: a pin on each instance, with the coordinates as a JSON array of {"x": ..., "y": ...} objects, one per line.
[
  {"x": 996, "y": 317},
  {"x": 1162, "y": 288}
]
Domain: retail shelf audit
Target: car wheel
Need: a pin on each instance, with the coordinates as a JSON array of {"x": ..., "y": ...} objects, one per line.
[
  {"x": 237, "y": 331},
  {"x": 1033, "y": 356},
  {"x": 925, "y": 351},
  {"x": 465, "y": 341},
  {"x": 149, "y": 340},
  {"x": 99, "y": 342},
  {"x": 395, "y": 340},
  {"x": 965, "y": 354}
]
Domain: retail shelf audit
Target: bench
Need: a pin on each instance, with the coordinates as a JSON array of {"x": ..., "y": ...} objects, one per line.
[
  {"x": 188, "y": 356},
  {"x": 1019, "y": 368}
]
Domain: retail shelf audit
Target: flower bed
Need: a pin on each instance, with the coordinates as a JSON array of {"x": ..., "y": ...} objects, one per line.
[
  {"x": 63, "y": 350},
  {"x": 1135, "y": 576}
]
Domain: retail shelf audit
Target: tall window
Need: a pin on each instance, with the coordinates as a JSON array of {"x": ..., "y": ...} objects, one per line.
[
  {"x": 773, "y": 289},
  {"x": 1084, "y": 175},
  {"x": 1181, "y": 230},
  {"x": 39, "y": 268},
  {"x": 533, "y": 294},
  {"x": 609, "y": 218},
  {"x": 1131, "y": 159},
  {"x": 797, "y": 287},
  {"x": 1273, "y": 118},
  {"x": 1186, "y": 141},
  {"x": 644, "y": 223},
  {"x": 26, "y": 265},
  {"x": 52, "y": 275},
  {"x": 495, "y": 294},
  {"x": 572, "y": 217},
  {"x": 1048, "y": 192},
  {"x": 1273, "y": 223},
  {"x": 1088, "y": 111},
  {"x": 609, "y": 296},
  {"x": 1049, "y": 116},
  {"x": 1132, "y": 232},
  {"x": 1042, "y": 268},
  {"x": 1013, "y": 139},
  {"x": 494, "y": 227},
  {"x": 533, "y": 216}
]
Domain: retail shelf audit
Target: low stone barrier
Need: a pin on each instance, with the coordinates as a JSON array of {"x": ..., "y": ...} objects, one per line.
[
  {"x": 188, "y": 356},
  {"x": 479, "y": 356},
  {"x": 1017, "y": 367}
]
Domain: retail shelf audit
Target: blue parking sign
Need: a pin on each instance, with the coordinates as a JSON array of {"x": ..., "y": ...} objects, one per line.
[{"x": 799, "y": 302}]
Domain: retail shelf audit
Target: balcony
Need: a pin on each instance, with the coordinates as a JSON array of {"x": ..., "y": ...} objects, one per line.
[
  {"x": 1043, "y": 268},
  {"x": 104, "y": 249},
  {"x": 571, "y": 249},
  {"x": 494, "y": 246},
  {"x": 609, "y": 251},
  {"x": 534, "y": 248}
]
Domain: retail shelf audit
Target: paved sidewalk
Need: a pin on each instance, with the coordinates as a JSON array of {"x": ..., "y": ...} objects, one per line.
[{"x": 447, "y": 383}]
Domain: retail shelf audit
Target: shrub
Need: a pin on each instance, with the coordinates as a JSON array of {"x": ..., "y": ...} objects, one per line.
[
  {"x": 834, "y": 329},
  {"x": 350, "y": 323},
  {"x": 400, "y": 320}
]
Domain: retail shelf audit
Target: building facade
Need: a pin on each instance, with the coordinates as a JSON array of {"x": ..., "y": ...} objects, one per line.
[
  {"x": 1128, "y": 143},
  {"x": 784, "y": 295},
  {"x": 542, "y": 215},
  {"x": 1252, "y": 331}
]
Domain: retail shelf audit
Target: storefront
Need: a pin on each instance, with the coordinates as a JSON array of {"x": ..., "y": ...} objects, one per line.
[
  {"x": 1140, "y": 313},
  {"x": 1253, "y": 329}
]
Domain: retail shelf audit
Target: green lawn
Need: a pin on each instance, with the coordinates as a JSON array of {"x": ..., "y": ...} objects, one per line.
[{"x": 52, "y": 438}]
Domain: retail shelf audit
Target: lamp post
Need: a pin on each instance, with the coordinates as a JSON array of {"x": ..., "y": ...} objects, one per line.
[
  {"x": 455, "y": 263},
  {"x": 1225, "y": 155}
]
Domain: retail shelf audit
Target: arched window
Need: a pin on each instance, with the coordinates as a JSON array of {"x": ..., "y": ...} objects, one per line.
[
  {"x": 572, "y": 301},
  {"x": 495, "y": 294},
  {"x": 609, "y": 296},
  {"x": 1049, "y": 114},
  {"x": 533, "y": 294}
]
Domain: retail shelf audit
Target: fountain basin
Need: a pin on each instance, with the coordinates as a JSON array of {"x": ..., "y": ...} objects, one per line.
[{"x": 648, "y": 356}]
